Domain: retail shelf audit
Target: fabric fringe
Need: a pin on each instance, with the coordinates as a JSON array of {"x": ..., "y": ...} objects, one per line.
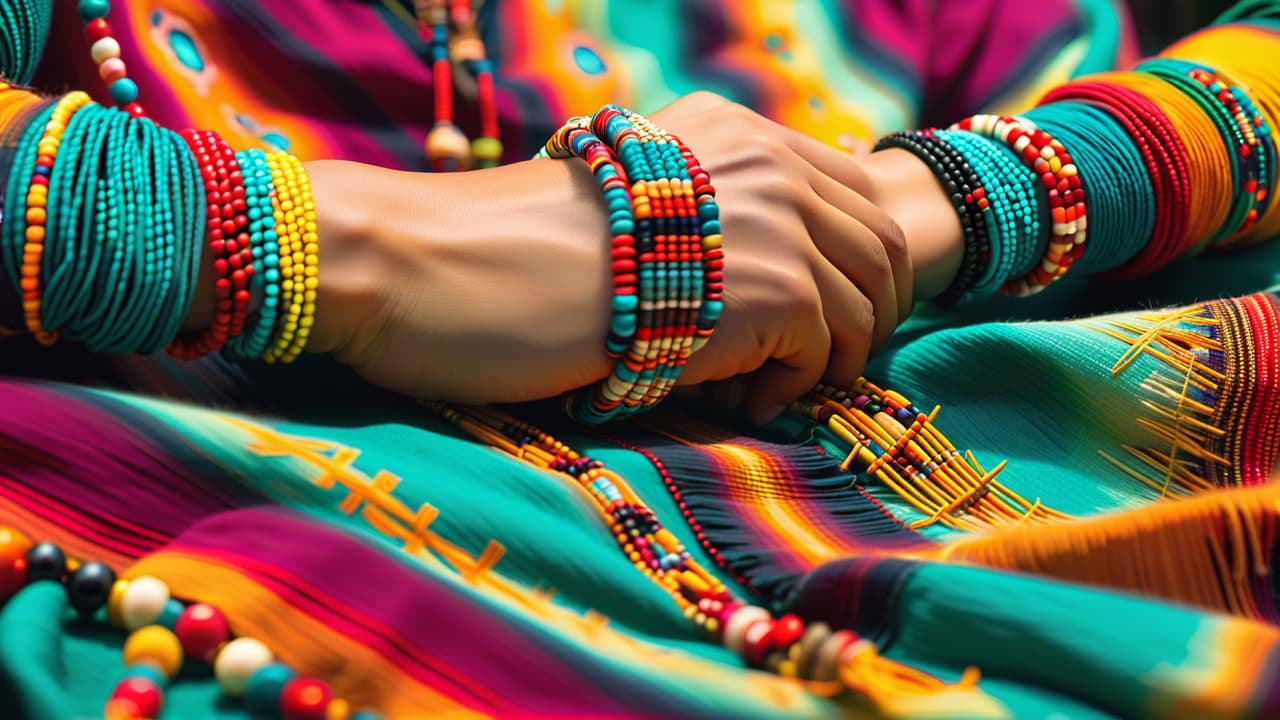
[
  {"x": 769, "y": 510},
  {"x": 1211, "y": 407},
  {"x": 1212, "y": 551}
]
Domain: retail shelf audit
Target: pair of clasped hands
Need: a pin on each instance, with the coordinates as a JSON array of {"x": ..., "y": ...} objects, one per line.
[{"x": 493, "y": 286}]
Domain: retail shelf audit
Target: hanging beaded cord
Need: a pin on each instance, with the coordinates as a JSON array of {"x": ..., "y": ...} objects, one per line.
[
  {"x": 162, "y": 632},
  {"x": 830, "y": 660},
  {"x": 449, "y": 29},
  {"x": 667, "y": 261},
  {"x": 1117, "y": 152},
  {"x": 105, "y": 51}
]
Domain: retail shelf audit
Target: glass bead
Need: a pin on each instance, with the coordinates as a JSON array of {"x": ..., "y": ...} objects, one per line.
[
  {"x": 89, "y": 586},
  {"x": 13, "y": 562},
  {"x": 264, "y": 688},
  {"x": 155, "y": 645},
  {"x": 124, "y": 91},
  {"x": 143, "y": 601},
  {"x": 202, "y": 629},
  {"x": 144, "y": 693},
  {"x": 237, "y": 662},
  {"x": 90, "y": 10},
  {"x": 304, "y": 699},
  {"x": 169, "y": 616},
  {"x": 46, "y": 561}
]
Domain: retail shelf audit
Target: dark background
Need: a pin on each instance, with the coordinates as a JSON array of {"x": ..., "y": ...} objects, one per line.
[{"x": 1160, "y": 22}]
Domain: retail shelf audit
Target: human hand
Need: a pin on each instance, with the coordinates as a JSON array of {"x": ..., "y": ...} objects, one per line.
[
  {"x": 493, "y": 285},
  {"x": 815, "y": 274}
]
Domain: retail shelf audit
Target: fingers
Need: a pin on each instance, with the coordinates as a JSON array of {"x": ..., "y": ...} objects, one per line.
[
  {"x": 858, "y": 254},
  {"x": 794, "y": 367},
  {"x": 828, "y": 160},
  {"x": 849, "y": 317}
]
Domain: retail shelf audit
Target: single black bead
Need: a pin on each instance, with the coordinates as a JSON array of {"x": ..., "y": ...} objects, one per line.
[
  {"x": 89, "y": 586},
  {"x": 46, "y": 561}
]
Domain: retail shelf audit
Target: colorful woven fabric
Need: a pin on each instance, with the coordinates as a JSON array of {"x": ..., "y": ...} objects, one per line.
[{"x": 1113, "y": 554}]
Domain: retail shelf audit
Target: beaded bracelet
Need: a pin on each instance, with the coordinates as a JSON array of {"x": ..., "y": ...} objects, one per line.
[
  {"x": 667, "y": 260},
  {"x": 1218, "y": 104},
  {"x": 299, "y": 256},
  {"x": 265, "y": 279},
  {"x": 1165, "y": 157},
  {"x": 1049, "y": 160},
  {"x": 72, "y": 181},
  {"x": 224, "y": 194},
  {"x": 37, "y": 200},
  {"x": 1120, "y": 196},
  {"x": 967, "y": 196},
  {"x": 1260, "y": 154},
  {"x": 1014, "y": 219}
]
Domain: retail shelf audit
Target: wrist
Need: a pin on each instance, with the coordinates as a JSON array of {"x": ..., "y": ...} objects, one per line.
[{"x": 906, "y": 189}]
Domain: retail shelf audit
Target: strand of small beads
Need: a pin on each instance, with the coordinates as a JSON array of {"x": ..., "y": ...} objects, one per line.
[
  {"x": 229, "y": 243},
  {"x": 1051, "y": 163},
  {"x": 163, "y": 634},
  {"x": 896, "y": 443},
  {"x": 787, "y": 645}
]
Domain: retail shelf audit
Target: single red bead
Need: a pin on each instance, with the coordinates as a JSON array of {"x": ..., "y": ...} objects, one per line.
[
  {"x": 135, "y": 110},
  {"x": 304, "y": 699},
  {"x": 786, "y": 631},
  {"x": 95, "y": 30},
  {"x": 202, "y": 629},
  {"x": 143, "y": 692}
]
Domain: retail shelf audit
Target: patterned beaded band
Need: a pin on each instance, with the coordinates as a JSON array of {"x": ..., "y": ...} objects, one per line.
[
  {"x": 1013, "y": 221},
  {"x": 1239, "y": 136},
  {"x": 37, "y": 200},
  {"x": 1049, "y": 160},
  {"x": 295, "y": 217},
  {"x": 1258, "y": 149},
  {"x": 667, "y": 260},
  {"x": 967, "y": 195}
]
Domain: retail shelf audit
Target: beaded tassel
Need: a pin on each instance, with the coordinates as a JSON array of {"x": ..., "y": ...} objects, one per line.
[
  {"x": 447, "y": 147},
  {"x": 449, "y": 29}
]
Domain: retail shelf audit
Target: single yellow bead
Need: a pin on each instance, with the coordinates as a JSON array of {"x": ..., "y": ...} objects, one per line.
[
  {"x": 113, "y": 602},
  {"x": 156, "y": 645},
  {"x": 337, "y": 709}
]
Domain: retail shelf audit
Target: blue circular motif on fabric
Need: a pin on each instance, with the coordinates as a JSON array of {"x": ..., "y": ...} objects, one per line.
[
  {"x": 588, "y": 60},
  {"x": 184, "y": 48}
]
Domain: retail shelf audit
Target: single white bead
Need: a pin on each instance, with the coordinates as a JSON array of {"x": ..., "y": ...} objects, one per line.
[
  {"x": 142, "y": 602},
  {"x": 736, "y": 629},
  {"x": 105, "y": 49},
  {"x": 237, "y": 661}
]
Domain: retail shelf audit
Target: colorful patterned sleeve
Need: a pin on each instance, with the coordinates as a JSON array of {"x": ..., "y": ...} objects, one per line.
[{"x": 1001, "y": 55}]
